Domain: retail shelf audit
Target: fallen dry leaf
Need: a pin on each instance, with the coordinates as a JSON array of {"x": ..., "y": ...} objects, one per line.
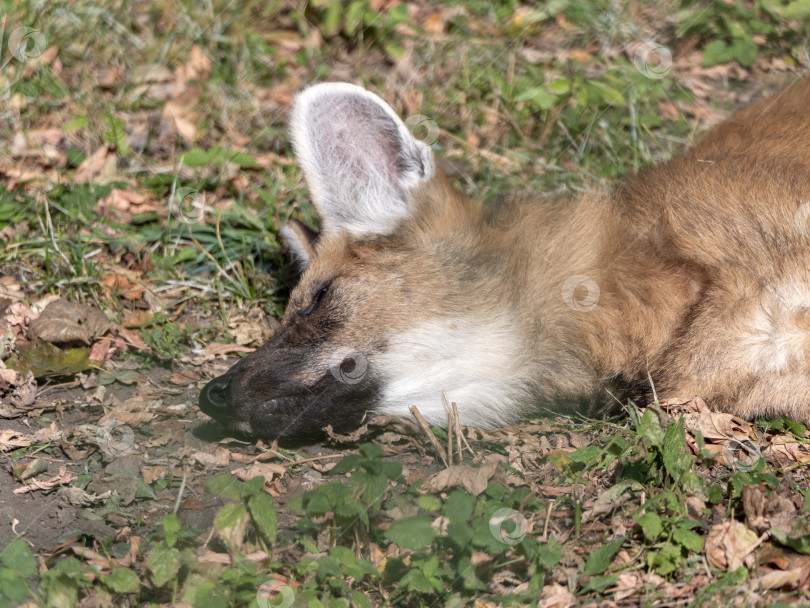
[
  {"x": 214, "y": 349},
  {"x": 268, "y": 470},
  {"x": 81, "y": 498},
  {"x": 99, "y": 560},
  {"x": 198, "y": 67},
  {"x": 118, "y": 284},
  {"x": 133, "y": 411},
  {"x": 181, "y": 112},
  {"x": 630, "y": 583},
  {"x": 556, "y": 596},
  {"x": 99, "y": 167},
  {"x": 184, "y": 378},
  {"x": 473, "y": 479},
  {"x": 123, "y": 204},
  {"x": 373, "y": 427},
  {"x": 11, "y": 440},
  {"x": 220, "y": 458},
  {"x": 17, "y": 393},
  {"x": 61, "y": 479},
  {"x": 785, "y": 450},
  {"x": 786, "y": 580},
  {"x": 63, "y": 322},
  {"x": 250, "y": 328},
  {"x": 18, "y": 318},
  {"x": 776, "y": 509},
  {"x": 712, "y": 425},
  {"x": 730, "y": 545}
]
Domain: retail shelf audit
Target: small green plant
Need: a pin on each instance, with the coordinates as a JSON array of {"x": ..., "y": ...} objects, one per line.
[
  {"x": 17, "y": 564},
  {"x": 166, "y": 338},
  {"x": 736, "y": 31}
]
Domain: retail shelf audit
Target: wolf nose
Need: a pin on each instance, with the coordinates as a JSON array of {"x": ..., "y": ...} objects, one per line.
[{"x": 215, "y": 397}]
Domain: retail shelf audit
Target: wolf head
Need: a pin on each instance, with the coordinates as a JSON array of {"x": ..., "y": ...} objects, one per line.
[{"x": 405, "y": 292}]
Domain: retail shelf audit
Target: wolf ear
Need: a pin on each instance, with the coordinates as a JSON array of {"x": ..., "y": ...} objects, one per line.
[
  {"x": 361, "y": 162},
  {"x": 300, "y": 241}
]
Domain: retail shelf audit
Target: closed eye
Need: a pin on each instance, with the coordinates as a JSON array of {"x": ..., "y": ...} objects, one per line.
[{"x": 316, "y": 300}]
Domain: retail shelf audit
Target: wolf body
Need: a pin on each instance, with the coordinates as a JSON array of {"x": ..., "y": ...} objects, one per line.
[{"x": 694, "y": 275}]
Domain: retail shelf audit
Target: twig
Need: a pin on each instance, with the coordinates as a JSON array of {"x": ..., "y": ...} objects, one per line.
[
  {"x": 450, "y": 437},
  {"x": 454, "y": 425},
  {"x": 459, "y": 434},
  {"x": 52, "y": 234},
  {"x": 431, "y": 437},
  {"x": 313, "y": 459},
  {"x": 180, "y": 494},
  {"x": 463, "y": 438},
  {"x": 548, "y": 518},
  {"x": 450, "y": 427}
]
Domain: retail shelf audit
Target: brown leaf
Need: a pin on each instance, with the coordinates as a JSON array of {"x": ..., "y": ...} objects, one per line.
[
  {"x": 198, "y": 67},
  {"x": 473, "y": 479},
  {"x": 11, "y": 440},
  {"x": 99, "y": 167},
  {"x": 123, "y": 204},
  {"x": 784, "y": 451},
  {"x": 18, "y": 317},
  {"x": 435, "y": 23},
  {"x": 556, "y": 596},
  {"x": 120, "y": 285},
  {"x": 393, "y": 425},
  {"x": 101, "y": 351},
  {"x": 141, "y": 318},
  {"x": 215, "y": 348},
  {"x": 17, "y": 393},
  {"x": 268, "y": 470},
  {"x": 181, "y": 113},
  {"x": 787, "y": 580},
  {"x": 62, "y": 478},
  {"x": 630, "y": 583},
  {"x": 184, "y": 378},
  {"x": 730, "y": 544},
  {"x": 220, "y": 458},
  {"x": 714, "y": 425},
  {"x": 41, "y": 144},
  {"x": 764, "y": 511},
  {"x": 250, "y": 328},
  {"x": 62, "y": 322}
]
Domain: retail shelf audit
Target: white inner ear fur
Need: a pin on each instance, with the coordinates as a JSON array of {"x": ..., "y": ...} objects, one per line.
[
  {"x": 300, "y": 251},
  {"x": 361, "y": 162}
]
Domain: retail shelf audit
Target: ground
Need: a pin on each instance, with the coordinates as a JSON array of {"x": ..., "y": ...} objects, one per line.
[{"x": 145, "y": 171}]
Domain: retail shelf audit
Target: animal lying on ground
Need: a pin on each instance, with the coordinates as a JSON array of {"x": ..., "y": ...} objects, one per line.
[{"x": 694, "y": 275}]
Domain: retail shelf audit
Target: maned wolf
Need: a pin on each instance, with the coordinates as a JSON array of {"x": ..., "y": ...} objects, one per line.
[{"x": 695, "y": 274}]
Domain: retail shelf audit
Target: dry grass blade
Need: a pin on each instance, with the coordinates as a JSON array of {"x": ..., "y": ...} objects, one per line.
[{"x": 431, "y": 437}]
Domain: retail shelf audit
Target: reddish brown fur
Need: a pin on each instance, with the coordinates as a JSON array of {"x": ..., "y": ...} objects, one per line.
[{"x": 702, "y": 267}]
